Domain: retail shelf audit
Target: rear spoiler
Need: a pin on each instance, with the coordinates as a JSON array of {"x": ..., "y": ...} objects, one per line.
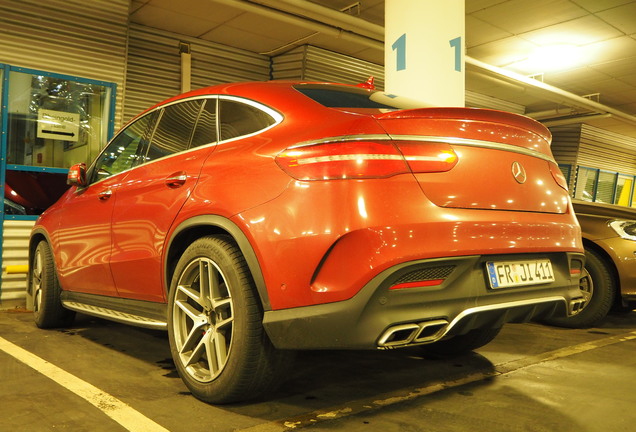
[{"x": 470, "y": 114}]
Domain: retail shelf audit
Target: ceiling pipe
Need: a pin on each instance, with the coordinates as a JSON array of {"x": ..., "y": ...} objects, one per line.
[
  {"x": 338, "y": 24},
  {"x": 279, "y": 14},
  {"x": 556, "y": 112},
  {"x": 332, "y": 17},
  {"x": 552, "y": 93},
  {"x": 574, "y": 120}
]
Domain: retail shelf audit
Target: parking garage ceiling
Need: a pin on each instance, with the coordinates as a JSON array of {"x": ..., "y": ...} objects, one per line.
[{"x": 504, "y": 34}]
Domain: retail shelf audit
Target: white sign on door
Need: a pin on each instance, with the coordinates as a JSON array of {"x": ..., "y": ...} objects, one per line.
[{"x": 58, "y": 125}]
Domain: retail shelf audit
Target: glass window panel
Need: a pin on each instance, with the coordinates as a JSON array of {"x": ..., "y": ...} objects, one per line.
[
  {"x": 205, "y": 132},
  {"x": 566, "y": 170},
  {"x": 238, "y": 119},
  {"x": 605, "y": 188},
  {"x": 55, "y": 122},
  {"x": 174, "y": 130},
  {"x": 623, "y": 190},
  {"x": 125, "y": 150},
  {"x": 585, "y": 183}
]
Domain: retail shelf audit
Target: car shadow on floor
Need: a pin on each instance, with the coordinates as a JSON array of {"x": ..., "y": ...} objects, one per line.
[{"x": 317, "y": 380}]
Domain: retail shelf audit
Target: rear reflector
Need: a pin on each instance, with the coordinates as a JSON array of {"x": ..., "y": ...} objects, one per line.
[
  {"x": 576, "y": 268},
  {"x": 365, "y": 159},
  {"x": 424, "y": 283},
  {"x": 558, "y": 176}
]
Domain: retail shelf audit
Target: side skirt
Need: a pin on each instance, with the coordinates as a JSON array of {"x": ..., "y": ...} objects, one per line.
[{"x": 127, "y": 311}]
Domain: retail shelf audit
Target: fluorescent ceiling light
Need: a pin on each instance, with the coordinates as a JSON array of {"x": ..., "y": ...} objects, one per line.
[{"x": 552, "y": 58}]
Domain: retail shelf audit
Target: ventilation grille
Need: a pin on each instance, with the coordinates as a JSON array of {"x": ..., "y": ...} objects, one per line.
[{"x": 431, "y": 273}]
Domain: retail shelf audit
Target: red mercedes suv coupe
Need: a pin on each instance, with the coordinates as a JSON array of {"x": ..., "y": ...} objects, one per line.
[{"x": 254, "y": 219}]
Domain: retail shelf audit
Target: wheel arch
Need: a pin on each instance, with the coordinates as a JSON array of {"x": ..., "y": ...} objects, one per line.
[
  {"x": 607, "y": 259},
  {"x": 199, "y": 226}
]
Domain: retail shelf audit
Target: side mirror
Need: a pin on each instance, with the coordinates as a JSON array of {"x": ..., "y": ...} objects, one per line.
[{"x": 77, "y": 175}]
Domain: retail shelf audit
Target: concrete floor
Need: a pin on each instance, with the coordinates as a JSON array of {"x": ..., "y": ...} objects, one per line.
[{"x": 103, "y": 376}]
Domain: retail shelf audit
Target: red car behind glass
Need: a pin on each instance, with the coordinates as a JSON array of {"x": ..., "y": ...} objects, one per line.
[{"x": 254, "y": 219}]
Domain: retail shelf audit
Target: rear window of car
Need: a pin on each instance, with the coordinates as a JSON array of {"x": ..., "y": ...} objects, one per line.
[{"x": 335, "y": 96}]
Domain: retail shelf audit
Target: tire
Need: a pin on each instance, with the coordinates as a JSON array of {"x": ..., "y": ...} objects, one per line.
[
  {"x": 48, "y": 311},
  {"x": 598, "y": 287},
  {"x": 217, "y": 340},
  {"x": 464, "y": 343}
]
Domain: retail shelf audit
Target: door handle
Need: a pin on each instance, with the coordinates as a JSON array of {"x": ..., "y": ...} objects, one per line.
[
  {"x": 104, "y": 195},
  {"x": 177, "y": 179}
]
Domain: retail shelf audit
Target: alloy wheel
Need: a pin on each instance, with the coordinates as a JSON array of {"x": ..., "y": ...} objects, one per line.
[
  {"x": 36, "y": 280},
  {"x": 203, "y": 318},
  {"x": 586, "y": 285}
]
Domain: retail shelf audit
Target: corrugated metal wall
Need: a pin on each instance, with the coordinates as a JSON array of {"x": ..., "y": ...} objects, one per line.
[
  {"x": 215, "y": 64},
  {"x": 476, "y": 100},
  {"x": 154, "y": 66},
  {"x": 565, "y": 148},
  {"x": 565, "y": 144},
  {"x": 588, "y": 146},
  {"x": 14, "y": 252},
  {"x": 70, "y": 37},
  {"x": 316, "y": 64},
  {"x": 607, "y": 150},
  {"x": 153, "y": 73},
  {"x": 67, "y": 37}
]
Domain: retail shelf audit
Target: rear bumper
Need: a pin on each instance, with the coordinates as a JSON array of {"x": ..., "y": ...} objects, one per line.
[{"x": 379, "y": 317}]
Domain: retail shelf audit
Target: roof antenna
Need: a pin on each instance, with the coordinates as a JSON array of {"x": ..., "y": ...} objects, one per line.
[{"x": 368, "y": 85}]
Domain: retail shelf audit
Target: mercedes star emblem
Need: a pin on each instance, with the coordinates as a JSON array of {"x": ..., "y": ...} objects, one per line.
[{"x": 518, "y": 172}]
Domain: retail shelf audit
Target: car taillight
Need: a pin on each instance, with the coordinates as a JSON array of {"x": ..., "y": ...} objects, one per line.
[
  {"x": 428, "y": 157},
  {"x": 365, "y": 159}
]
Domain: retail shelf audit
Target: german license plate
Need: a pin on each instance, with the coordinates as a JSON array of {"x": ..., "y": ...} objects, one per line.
[{"x": 505, "y": 274}]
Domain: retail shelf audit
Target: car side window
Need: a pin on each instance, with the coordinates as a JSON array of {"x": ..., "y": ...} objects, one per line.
[
  {"x": 205, "y": 130},
  {"x": 238, "y": 119},
  {"x": 174, "y": 131},
  {"x": 125, "y": 150}
]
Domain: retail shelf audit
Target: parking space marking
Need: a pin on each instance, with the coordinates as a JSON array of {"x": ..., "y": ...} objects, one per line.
[
  {"x": 404, "y": 395},
  {"x": 117, "y": 410}
]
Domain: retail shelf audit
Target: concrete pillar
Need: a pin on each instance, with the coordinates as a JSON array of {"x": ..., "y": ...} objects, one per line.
[{"x": 424, "y": 50}]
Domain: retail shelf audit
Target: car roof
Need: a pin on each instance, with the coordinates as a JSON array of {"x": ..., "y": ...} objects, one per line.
[{"x": 257, "y": 89}]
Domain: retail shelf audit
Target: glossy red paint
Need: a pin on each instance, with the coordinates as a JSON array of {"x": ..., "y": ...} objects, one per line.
[
  {"x": 324, "y": 256},
  {"x": 319, "y": 241},
  {"x": 79, "y": 229},
  {"x": 146, "y": 205},
  {"x": 309, "y": 216}
]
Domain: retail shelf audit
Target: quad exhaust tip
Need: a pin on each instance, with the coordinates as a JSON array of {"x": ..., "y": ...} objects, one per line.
[
  {"x": 577, "y": 305},
  {"x": 413, "y": 333}
]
